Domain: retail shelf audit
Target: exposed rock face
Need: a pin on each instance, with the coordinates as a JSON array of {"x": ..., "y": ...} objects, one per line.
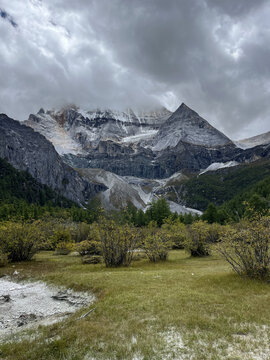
[
  {"x": 74, "y": 131},
  {"x": 28, "y": 150},
  {"x": 187, "y": 126},
  {"x": 148, "y": 145},
  {"x": 263, "y": 139},
  {"x": 120, "y": 159}
]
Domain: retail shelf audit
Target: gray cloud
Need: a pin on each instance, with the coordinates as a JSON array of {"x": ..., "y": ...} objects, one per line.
[{"x": 213, "y": 55}]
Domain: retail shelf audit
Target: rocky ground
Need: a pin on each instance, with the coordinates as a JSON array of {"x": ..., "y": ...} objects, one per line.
[{"x": 25, "y": 304}]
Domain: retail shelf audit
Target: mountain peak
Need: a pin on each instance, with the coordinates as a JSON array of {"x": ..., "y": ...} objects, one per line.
[
  {"x": 183, "y": 108},
  {"x": 188, "y": 126}
]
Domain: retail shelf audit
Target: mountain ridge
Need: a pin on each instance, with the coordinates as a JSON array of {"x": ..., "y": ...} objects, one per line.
[{"x": 30, "y": 151}]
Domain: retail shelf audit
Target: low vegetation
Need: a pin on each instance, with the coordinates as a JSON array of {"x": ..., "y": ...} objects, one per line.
[
  {"x": 236, "y": 184},
  {"x": 164, "y": 283},
  {"x": 246, "y": 247}
]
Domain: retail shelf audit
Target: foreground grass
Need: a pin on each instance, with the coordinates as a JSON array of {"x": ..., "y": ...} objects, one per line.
[{"x": 181, "y": 309}]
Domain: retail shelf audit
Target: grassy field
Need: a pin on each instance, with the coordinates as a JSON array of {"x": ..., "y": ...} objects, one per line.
[{"x": 184, "y": 308}]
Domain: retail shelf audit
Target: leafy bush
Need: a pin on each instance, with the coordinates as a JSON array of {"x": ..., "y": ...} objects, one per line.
[
  {"x": 215, "y": 232},
  {"x": 20, "y": 241},
  {"x": 3, "y": 259},
  {"x": 139, "y": 255},
  {"x": 86, "y": 248},
  {"x": 64, "y": 248},
  {"x": 157, "y": 243},
  {"x": 63, "y": 241},
  {"x": 177, "y": 232},
  {"x": 92, "y": 245},
  {"x": 80, "y": 232},
  {"x": 62, "y": 235},
  {"x": 93, "y": 259},
  {"x": 197, "y": 242},
  {"x": 117, "y": 243},
  {"x": 246, "y": 247}
]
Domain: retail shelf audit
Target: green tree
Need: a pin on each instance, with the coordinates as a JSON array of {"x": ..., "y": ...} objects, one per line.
[
  {"x": 159, "y": 211},
  {"x": 211, "y": 214}
]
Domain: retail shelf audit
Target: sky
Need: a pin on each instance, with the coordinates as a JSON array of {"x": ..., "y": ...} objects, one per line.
[{"x": 213, "y": 55}]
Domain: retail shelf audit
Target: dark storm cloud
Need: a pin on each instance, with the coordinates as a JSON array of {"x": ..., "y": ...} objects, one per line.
[
  {"x": 4, "y": 15},
  {"x": 212, "y": 54},
  {"x": 236, "y": 8}
]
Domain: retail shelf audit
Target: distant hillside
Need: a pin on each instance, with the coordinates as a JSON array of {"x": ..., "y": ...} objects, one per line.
[
  {"x": 20, "y": 185},
  {"x": 257, "y": 197},
  {"x": 223, "y": 185}
]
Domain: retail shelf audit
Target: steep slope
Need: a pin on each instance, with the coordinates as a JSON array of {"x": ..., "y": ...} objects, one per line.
[
  {"x": 149, "y": 145},
  {"x": 262, "y": 139},
  {"x": 27, "y": 150},
  {"x": 120, "y": 193},
  {"x": 222, "y": 185},
  {"x": 123, "y": 190},
  {"x": 20, "y": 185},
  {"x": 182, "y": 141},
  {"x": 75, "y": 131}
]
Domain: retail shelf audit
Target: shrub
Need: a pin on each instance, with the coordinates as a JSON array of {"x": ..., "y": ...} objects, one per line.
[
  {"x": 89, "y": 247},
  {"x": 177, "y": 232},
  {"x": 3, "y": 259},
  {"x": 139, "y": 255},
  {"x": 93, "y": 259},
  {"x": 64, "y": 248},
  {"x": 62, "y": 235},
  {"x": 197, "y": 242},
  {"x": 215, "y": 232},
  {"x": 157, "y": 243},
  {"x": 20, "y": 240},
  {"x": 117, "y": 243},
  {"x": 246, "y": 247},
  {"x": 80, "y": 232}
]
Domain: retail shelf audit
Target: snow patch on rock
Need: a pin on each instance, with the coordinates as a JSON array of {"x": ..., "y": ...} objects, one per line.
[
  {"x": 181, "y": 210},
  {"x": 262, "y": 139},
  {"x": 217, "y": 166}
]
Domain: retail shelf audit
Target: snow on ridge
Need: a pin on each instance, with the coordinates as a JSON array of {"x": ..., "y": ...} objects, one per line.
[
  {"x": 142, "y": 136},
  {"x": 262, "y": 139},
  {"x": 127, "y": 116},
  {"x": 57, "y": 135},
  {"x": 217, "y": 166}
]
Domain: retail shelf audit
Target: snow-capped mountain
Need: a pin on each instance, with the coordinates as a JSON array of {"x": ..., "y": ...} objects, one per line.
[
  {"x": 75, "y": 131},
  {"x": 139, "y": 155},
  {"x": 187, "y": 126},
  {"x": 153, "y": 144},
  {"x": 262, "y": 139}
]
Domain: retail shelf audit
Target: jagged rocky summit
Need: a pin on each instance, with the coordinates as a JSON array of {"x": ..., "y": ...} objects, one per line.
[{"x": 143, "y": 144}]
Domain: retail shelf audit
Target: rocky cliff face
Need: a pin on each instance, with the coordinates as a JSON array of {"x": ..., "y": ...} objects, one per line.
[
  {"x": 72, "y": 130},
  {"x": 151, "y": 145},
  {"x": 28, "y": 150},
  {"x": 148, "y": 144},
  {"x": 262, "y": 139},
  {"x": 187, "y": 126}
]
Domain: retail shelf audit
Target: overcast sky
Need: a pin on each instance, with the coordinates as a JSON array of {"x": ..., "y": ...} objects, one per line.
[{"x": 214, "y": 55}]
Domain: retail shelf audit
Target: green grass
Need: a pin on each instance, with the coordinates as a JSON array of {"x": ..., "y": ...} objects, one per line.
[{"x": 180, "y": 309}]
